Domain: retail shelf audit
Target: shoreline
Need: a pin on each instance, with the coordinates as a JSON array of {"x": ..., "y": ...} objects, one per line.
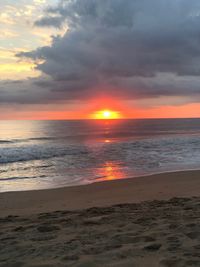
[
  {"x": 98, "y": 180},
  {"x": 162, "y": 186}
]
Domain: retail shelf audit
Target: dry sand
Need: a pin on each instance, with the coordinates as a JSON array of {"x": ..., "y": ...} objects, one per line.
[{"x": 157, "y": 232}]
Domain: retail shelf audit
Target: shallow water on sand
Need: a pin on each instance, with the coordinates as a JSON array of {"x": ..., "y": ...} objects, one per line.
[{"x": 48, "y": 154}]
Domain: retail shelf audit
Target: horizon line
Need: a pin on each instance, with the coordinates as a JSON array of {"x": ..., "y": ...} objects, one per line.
[{"x": 90, "y": 119}]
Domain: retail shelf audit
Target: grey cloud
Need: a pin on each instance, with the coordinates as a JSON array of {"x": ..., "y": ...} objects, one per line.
[
  {"x": 50, "y": 22},
  {"x": 130, "y": 46},
  {"x": 25, "y": 92},
  {"x": 45, "y": 91}
]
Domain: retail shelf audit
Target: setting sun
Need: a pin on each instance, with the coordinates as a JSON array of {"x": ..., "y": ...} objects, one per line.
[{"x": 106, "y": 114}]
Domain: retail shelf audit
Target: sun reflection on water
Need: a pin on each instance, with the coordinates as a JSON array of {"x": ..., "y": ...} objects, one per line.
[{"x": 111, "y": 171}]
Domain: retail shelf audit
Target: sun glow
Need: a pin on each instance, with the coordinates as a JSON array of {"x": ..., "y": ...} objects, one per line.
[
  {"x": 106, "y": 114},
  {"x": 111, "y": 171}
]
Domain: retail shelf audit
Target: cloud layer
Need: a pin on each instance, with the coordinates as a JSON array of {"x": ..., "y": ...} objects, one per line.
[{"x": 129, "y": 48}]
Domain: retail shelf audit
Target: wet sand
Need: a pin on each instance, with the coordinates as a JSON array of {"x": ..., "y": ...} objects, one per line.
[
  {"x": 149, "y": 221},
  {"x": 159, "y": 186}
]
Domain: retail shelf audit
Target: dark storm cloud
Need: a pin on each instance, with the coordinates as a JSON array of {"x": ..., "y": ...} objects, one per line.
[
  {"x": 38, "y": 91},
  {"x": 125, "y": 47}
]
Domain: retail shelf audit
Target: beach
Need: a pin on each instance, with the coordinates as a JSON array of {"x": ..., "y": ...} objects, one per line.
[
  {"x": 144, "y": 221},
  {"x": 99, "y": 133}
]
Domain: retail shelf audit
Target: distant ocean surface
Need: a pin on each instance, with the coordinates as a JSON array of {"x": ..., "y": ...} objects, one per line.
[{"x": 50, "y": 154}]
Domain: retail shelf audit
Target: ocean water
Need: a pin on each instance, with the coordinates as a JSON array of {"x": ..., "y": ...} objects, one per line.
[{"x": 50, "y": 154}]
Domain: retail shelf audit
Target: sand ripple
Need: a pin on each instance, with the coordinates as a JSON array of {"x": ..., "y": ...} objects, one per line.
[{"x": 156, "y": 233}]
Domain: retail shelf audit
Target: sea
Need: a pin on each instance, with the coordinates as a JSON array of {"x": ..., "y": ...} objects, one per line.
[{"x": 51, "y": 154}]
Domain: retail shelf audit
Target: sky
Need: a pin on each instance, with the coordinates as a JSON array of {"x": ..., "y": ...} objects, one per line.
[{"x": 66, "y": 59}]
